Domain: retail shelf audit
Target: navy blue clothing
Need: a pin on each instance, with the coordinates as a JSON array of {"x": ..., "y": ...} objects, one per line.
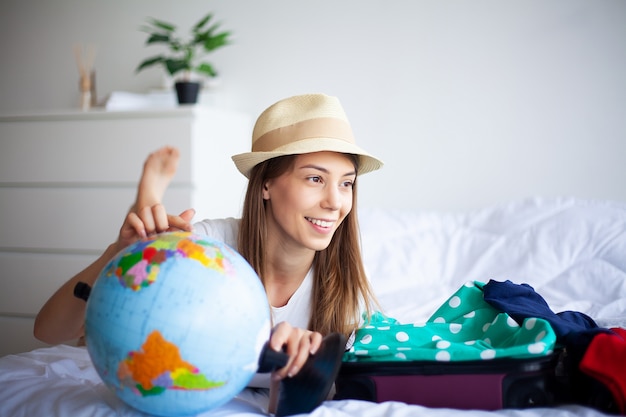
[{"x": 520, "y": 301}]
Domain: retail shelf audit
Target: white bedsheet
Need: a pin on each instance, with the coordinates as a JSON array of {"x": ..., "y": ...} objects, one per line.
[
  {"x": 572, "y": 252},
  {"x": 60, "y": 381}
]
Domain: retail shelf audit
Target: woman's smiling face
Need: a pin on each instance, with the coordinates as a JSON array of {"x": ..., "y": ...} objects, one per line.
[{"x": 306, "y": 204}]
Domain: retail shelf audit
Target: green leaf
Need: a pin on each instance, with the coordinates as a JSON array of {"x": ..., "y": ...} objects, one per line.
[
  {"x": 168, "y": 27},
  {"x": 206, "y": 68},
  {"x": 148, "y": 62},
  {"x": 176, "y": 65},
  {"x": 202, "y": 22},
  {"x": 201, "y": 37},
  {"x": 158, "y": 38},
  {"x": 209, "y": 32},
  {"x": 217, "y": 41}
]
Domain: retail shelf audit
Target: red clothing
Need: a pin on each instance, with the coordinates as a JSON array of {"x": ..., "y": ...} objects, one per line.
[{"x": 605, "y": 360}]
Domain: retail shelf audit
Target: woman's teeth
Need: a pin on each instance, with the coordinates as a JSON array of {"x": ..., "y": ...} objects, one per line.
[{"x": 320, "y": 223}]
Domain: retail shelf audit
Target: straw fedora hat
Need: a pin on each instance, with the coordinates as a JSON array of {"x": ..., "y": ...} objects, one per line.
[{"x": 303, "y": 124}]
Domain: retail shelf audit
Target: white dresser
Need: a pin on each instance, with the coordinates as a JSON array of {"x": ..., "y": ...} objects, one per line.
[{"x": 68, "y": 179}]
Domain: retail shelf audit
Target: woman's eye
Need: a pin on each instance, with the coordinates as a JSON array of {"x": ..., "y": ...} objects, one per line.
[
  {"x": 315, "y": 179},
  {"x": 348, "y": 184}
]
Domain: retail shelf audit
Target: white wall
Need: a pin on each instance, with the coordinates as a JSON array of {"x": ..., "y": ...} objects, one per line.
[{"x": 468, "y": 102}]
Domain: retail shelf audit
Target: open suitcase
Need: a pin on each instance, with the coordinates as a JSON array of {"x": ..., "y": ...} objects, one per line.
[
  {"x": 469, "y": 355},
  {"x": 492, "y": 385}
]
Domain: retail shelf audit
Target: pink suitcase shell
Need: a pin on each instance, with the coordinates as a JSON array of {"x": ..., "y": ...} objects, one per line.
[{"x": 493, "y": 385}]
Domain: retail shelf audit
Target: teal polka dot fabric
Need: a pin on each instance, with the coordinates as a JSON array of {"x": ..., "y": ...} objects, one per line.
[{"x": 464, "y": 328}]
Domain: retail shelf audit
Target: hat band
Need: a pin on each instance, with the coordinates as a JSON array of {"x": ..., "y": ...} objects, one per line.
[{"x": 324, "y": 127}]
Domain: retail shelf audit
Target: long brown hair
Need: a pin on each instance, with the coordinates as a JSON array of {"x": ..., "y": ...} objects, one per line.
[{"x": 340, "y": 285}]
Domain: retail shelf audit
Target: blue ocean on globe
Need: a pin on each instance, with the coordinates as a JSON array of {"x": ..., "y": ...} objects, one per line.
[{"x": 175, "y": 324}]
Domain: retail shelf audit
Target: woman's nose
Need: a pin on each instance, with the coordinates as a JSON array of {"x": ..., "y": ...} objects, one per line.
[{"x": 332, "y": 198}]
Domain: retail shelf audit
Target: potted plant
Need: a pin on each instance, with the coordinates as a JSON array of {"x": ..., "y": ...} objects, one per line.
[{"x": 186, "y": 56}]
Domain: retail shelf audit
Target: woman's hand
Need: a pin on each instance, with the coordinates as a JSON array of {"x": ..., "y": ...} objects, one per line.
[
  {"x": 149, "y": 221},
  {"x": 297, "y": 343}
]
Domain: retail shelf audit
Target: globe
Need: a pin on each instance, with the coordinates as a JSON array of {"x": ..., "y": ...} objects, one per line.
[{"x": 175, "y": 324}]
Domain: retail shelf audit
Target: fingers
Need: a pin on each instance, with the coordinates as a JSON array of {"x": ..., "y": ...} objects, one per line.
[
  {"x": 299, "y": 344},
  {"x": 154, "y": 218},
  {"x": 188, "y": 214},
  {"x": 182, "y": 221},
  {"x": 132, "y": 229},
  {"x": 149, "y": 221}
]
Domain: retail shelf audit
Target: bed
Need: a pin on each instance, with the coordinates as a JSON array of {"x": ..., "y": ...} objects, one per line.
[{"x": 571, "y": 251}]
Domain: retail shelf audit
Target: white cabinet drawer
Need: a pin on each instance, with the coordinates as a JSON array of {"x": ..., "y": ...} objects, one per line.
[
  {"x": 69, "y": 219},
  {"x": 88, "y": 151},
  {"x": 110, "y": 147}
]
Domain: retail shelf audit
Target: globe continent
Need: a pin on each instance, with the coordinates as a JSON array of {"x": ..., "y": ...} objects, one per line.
[{"x": 175, "y": 324}]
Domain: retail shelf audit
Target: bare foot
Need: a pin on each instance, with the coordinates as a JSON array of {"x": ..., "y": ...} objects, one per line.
[{"x": 158, "y": 170}]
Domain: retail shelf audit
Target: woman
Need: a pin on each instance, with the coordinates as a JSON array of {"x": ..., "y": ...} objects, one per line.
[{"x": 298, "y": 229}]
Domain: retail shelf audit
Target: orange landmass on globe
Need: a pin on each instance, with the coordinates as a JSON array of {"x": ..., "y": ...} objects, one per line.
[
  {"x": 159, "y": 357},
  {"x": 195, "y": 251}
]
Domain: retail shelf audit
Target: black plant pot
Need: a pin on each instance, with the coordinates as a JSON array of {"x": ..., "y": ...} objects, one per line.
[{"x": 187, "y": 92}]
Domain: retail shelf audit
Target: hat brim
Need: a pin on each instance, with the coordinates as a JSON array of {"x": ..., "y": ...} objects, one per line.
[{"x": 367, "y": 163}]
